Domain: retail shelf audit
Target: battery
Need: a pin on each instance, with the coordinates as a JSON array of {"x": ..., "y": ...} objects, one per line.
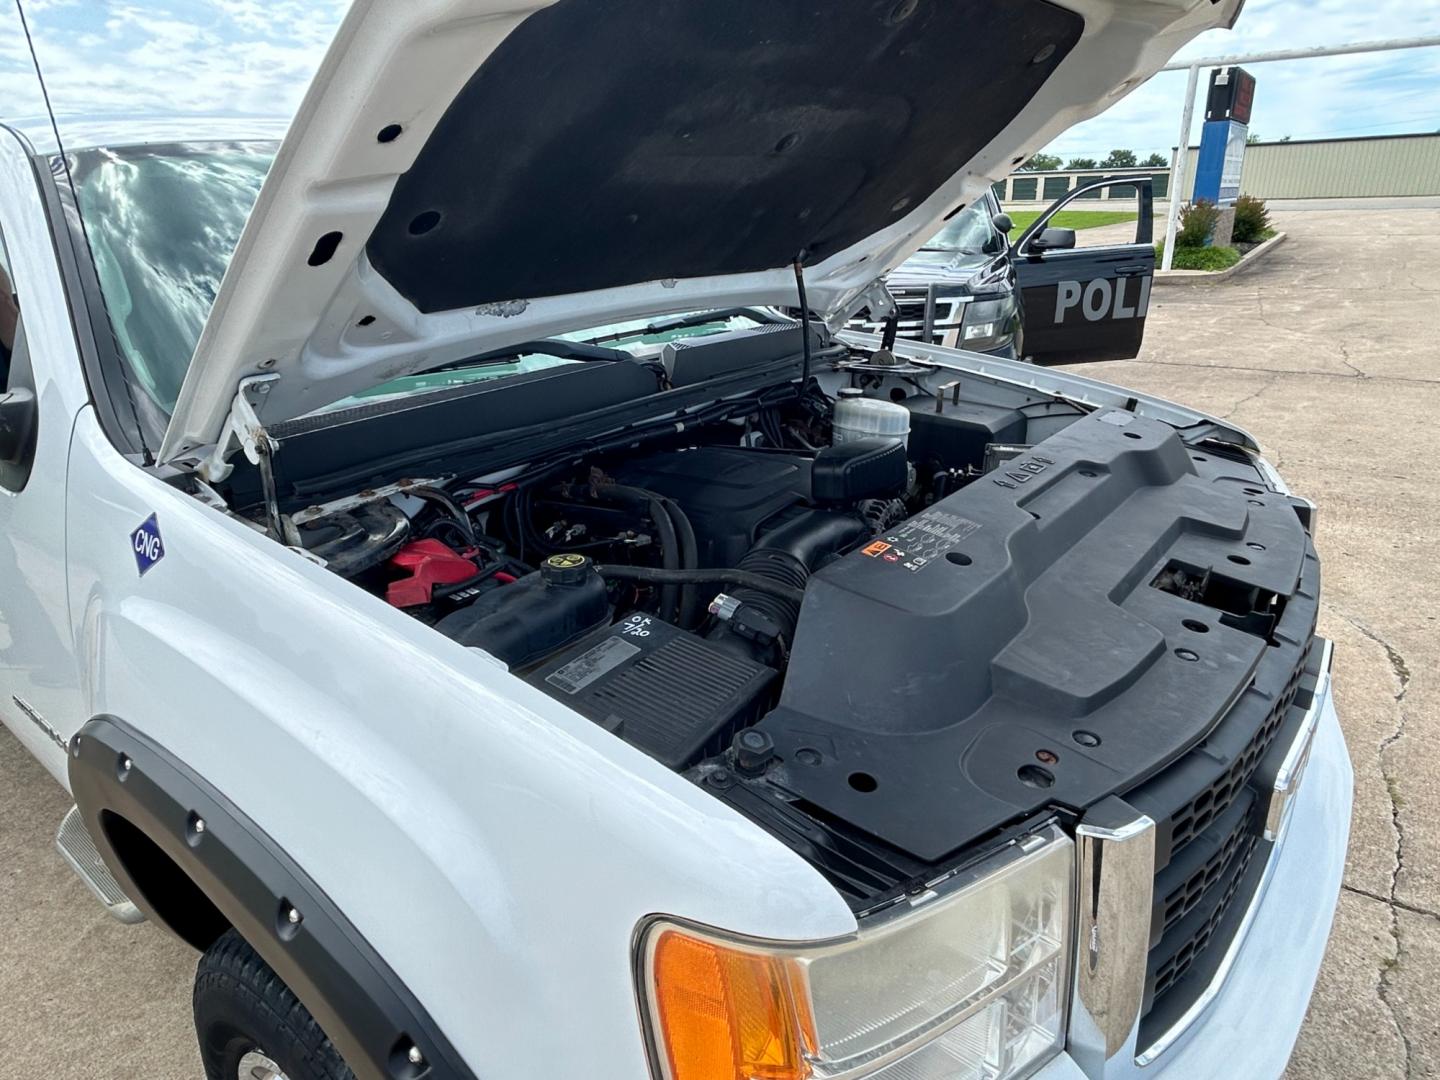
[{"x": 674, "y": 695}]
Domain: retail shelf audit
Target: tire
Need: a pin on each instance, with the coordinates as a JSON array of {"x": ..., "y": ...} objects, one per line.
[{"x": 245, "y": 1016}]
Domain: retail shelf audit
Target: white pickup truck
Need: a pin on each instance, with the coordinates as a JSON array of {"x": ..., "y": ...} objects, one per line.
[{"x": 506, "y": 647}]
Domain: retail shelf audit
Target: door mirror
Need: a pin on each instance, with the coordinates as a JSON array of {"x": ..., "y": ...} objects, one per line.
[
  {"x": 17, "y": 425},
  {"x": 1003, "y": 223},
  {"x": 1053, "y": 240}
]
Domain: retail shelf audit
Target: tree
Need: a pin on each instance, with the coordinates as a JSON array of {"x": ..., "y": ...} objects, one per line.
[
  {"x": 1252, "y": 138},
  {"x": 1081, "y": 163},
  {"x": 1155, "y": 161},
  {"x": 1119, "y": 159},
  {"x": 1041, "y": 163}
]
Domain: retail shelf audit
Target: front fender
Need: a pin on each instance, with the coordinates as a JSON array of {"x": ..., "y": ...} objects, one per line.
[
  {"x": 495, "y": 848},
  {"x": 369, "y": 1014}
]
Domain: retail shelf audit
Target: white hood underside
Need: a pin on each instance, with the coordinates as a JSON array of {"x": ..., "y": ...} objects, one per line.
[{"x": 284, "y": 309}]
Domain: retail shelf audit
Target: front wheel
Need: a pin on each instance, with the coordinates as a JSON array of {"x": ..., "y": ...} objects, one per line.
[{"x": 250, "y": 1025}]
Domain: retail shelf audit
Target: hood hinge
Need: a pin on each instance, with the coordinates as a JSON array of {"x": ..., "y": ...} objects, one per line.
[
  {"x": 243, "y": 431},
  {"x": 875, "y": 296}
]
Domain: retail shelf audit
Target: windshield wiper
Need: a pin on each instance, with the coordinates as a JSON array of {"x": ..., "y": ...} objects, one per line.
[
  {"x": 681, "y": 322},
  {"x": 556, "y": 347}
]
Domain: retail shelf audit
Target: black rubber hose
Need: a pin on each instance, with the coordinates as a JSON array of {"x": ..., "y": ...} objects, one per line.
[
  {"x": 689, "y": 560},
  {"x": 815, "y": 537},
  {"x": 458, "y": 513},
  {"x": 779, "y": 568},
  {"x": 525, "y": 535},
  {"x": 653, "y": 505},
  {"x": 738, "y": 578},
  {"x": 786, "y": 557}
]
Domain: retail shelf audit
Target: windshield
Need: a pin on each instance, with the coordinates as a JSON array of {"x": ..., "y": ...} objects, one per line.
[
  {"x": 641, "y": 338},
  {"x": 162, "y": 221},
  {"x": 968, "y": 231}
]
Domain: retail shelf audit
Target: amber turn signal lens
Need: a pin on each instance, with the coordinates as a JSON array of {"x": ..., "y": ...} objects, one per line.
[{"x": 727, "y": 1014}]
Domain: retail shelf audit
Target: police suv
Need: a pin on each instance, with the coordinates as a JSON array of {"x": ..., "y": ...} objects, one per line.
[
  {"x": 503, "y": 646},
  {"x": 1041, "y": 298}
]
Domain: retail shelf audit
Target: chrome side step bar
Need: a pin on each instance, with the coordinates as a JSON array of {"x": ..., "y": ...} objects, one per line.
[{"x": 78, "y": 849}]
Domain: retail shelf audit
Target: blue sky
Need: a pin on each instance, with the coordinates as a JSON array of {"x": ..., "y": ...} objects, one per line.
[
  {"x": 254, "y": 58},
  {"x": 212, "y": 57},
  {"x": 1375, "y": 94}
]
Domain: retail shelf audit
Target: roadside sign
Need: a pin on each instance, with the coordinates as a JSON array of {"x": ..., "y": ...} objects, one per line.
[{"x": 1223, "y": 140}]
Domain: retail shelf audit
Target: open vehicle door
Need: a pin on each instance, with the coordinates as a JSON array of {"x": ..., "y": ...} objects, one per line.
[{"x": 1085, "y": 303}]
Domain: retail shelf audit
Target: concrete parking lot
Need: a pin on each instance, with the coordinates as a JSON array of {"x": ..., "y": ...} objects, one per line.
[{"x": 1330, "y": 354}]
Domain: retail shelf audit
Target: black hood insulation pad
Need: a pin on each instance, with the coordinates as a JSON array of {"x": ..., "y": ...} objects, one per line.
[{"x": 611, "y": 142}]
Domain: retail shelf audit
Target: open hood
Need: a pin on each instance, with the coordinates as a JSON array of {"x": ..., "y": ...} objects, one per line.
[{"x": 464, "y": 175}]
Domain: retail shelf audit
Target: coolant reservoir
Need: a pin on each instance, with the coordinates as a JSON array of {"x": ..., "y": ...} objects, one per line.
[{"x": 860, "y": 417}]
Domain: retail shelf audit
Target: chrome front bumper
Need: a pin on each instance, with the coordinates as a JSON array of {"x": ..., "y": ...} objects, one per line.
[{"x": 1245, "y": 1023}]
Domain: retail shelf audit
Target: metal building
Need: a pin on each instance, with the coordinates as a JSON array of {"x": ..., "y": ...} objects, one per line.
[
  {"x": 1381, "y": 165},
  {"x": 1339, "y": 168}
]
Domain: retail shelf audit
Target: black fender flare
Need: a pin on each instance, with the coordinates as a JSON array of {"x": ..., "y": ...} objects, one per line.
[{"x": 368, "y": 1013}]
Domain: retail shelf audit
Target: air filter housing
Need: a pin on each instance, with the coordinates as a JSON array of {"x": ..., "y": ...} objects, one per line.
[{"x": 674, "y": 695}]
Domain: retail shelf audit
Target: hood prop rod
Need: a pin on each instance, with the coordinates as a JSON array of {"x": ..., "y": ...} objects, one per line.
[
  {"x": 804, "y": 320},
  {"x": 244, "y": 432}
]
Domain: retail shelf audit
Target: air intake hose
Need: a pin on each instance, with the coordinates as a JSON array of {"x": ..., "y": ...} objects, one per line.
[{"x": 788, "y": 555}]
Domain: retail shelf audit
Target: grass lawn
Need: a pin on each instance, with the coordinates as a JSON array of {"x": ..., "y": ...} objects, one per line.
[{"x": 1071, "y": 219}]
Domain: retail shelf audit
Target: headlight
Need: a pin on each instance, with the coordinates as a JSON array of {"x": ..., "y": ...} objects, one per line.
[
  {"x": 970, "y": 981},
  {"x": 989, "y": 324}
]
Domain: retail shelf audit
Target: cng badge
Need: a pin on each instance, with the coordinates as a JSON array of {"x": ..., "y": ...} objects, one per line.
[{"x": 146, "y": 543}]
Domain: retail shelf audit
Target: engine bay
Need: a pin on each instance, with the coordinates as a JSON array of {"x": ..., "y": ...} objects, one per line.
[
  {"x": 656, "y": 592},
  {"x": 883, "y": 616},
  {"x": 656, "y": 587}
]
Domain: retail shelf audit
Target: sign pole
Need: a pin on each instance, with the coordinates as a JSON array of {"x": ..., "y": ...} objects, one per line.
[{"x": 1177, "y": 169}]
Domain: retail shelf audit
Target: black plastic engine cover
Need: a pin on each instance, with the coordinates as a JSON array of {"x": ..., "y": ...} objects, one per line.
[
  {"x": 728, "y": 492},
  {"x": 979, "y": 637}
]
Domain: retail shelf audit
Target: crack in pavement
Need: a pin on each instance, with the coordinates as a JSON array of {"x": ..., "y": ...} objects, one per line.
[
  {"x": 1401, "y": 672},
  {"x": 1345, "y": 359},
  {"x": 1401, "y": 904},
  {"x": 1269, "y": 383},
  {"x": 1310, "y": 372},
  {"x": 1264, "y": 318},
  {"x": 1281, "y": 327}
]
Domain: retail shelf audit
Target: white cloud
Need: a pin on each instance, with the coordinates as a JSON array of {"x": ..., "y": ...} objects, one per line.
[
  {"x": 255, "y": 57},
  {"x": 110, "y": 58},
  {"x": 1379, "y": 93}
]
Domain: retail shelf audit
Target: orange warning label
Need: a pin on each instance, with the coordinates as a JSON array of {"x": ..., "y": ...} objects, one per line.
[{"x": 879, "y": 547}]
